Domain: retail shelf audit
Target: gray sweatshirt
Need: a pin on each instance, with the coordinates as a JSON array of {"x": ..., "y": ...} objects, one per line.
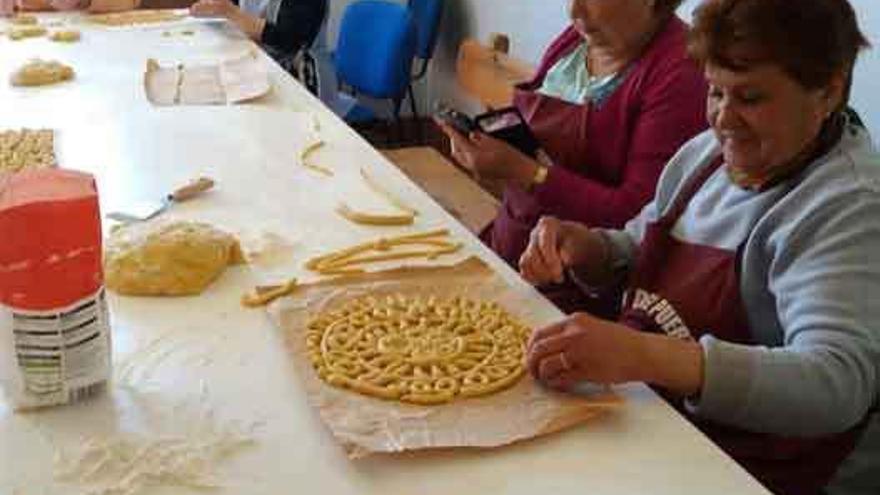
[{"x": 810, "y": 282}]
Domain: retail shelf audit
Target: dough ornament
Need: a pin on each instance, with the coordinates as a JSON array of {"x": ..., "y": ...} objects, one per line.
[
  {"x": 417, "y": 349},
  {"x": 41, "y": 73},
  {"x": 171, "y": 259}
]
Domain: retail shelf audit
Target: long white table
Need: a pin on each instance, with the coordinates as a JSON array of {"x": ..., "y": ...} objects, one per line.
[{"x": 209, "y": 355}]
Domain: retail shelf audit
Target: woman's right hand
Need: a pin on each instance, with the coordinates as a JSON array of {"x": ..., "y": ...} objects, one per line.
[{"x": 555, "y": 245}]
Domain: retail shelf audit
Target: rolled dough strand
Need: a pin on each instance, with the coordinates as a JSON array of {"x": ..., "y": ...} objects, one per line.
[
  {"x": 425, "y": 253},
  {"x": 363, "y": 218},
  {"x": 380, "y": 190},
  {"x": 262, "y": 296},
  {"x": 376, "y": 244},
  {"x": 383, "y": 247},
  {"x": 307, "y": 151},
  {"x": 440, "y": 249}
]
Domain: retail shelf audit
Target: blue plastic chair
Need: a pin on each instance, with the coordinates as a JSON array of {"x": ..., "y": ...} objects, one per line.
[
  {"x": 374, "y": 53},
  {"x": 426, "y": 14}
]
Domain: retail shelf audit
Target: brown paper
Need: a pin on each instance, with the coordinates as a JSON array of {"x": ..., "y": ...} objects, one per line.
[
  {"x": 365, "y": 425},
  {"x": 232, "y": 81}
]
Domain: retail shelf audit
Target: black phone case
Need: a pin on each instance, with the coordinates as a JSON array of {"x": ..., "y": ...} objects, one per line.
[{"x": 519, "y": 136}]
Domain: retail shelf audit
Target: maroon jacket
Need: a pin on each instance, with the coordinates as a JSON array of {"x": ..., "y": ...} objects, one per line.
[{"x": 607, "y": 158}]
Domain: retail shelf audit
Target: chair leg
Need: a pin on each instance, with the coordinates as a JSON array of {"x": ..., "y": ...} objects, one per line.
[
  {"x": 420, "y": 135},
  {"x": 398, "y": 123}
]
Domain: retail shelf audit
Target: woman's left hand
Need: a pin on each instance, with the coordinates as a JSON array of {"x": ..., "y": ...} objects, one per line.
[
  {"x": 213, "y": 8},
  {"x": 490, "y": 158},
  {"x": 584, "y": 348}
]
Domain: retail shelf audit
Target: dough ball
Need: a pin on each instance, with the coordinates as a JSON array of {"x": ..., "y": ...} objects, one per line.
[
  {"x": 65, "y": 36},
  {"x": 23, "y": 20},
  {"x": 26, "y": 31},
  {"x": 170, "y": 259},
  {"x": 40, "y": 73}
]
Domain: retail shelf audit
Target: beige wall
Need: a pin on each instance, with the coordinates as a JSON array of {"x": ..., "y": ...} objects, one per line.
[{"x": 532, "y": 24}]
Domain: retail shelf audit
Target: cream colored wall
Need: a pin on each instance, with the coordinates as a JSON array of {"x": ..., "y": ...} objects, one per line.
[{"x": 532, "y": 24}]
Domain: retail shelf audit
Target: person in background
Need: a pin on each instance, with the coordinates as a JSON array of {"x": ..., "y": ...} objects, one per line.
[
  {"x": 613, "y": 98},
  {"x": 753, "y": 275},
  {"x": 95, "y": 6},
  {"x": 283, "y": 27}
]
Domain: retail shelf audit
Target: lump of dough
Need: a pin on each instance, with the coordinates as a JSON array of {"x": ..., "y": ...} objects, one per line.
[
  {"x": 65, "y": 36},
  {"x": 23, "y": 20},
  {"x": 170, "y": 259},
  {"x": 40, "y": 73},
  {"x": 26, "y": 31}
]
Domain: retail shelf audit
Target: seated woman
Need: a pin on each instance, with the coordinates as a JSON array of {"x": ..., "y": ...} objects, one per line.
[
  {"x": 614, "y": 97},
  {"x": 283, "y": 27},
  {"x": 754, "y": 272}
]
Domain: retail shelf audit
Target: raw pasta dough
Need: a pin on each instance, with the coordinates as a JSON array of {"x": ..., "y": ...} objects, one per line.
[
  {"x": 172, "y": 259},
  {"x": 65, "y": 36},
  {"x": 420, "y": 350},
  {"x": 41, "y": 73},
  {"x": 26, "y": 31},
  {"x": 26, "y": 148}
]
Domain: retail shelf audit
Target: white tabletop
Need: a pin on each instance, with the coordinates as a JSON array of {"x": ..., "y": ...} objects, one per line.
[{"x": 178, "y": 360}]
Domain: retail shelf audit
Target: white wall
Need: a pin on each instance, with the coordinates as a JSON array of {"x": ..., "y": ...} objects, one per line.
[{"x": 532, "y": 24}]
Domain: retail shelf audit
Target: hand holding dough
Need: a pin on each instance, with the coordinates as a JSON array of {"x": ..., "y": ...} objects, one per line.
[
  {"x": 41, "y": 73},
  {"x": 171, "y": 259}
]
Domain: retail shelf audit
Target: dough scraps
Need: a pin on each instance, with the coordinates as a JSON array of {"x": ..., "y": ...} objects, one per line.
[
  {"x": 41, "y": 73},
  {"x": 26, "y": 148},
  {"x": 417, "y": 349},
  {"x": 167, "y": 259}
]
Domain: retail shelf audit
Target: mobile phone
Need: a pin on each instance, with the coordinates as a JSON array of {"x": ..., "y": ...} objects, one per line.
[
  {"x": 457, "y": 120},
  {"x": 508, "y": 124}
]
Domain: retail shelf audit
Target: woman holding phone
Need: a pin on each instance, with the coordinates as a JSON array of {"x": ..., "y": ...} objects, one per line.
[{"x": 613, "y": 98}]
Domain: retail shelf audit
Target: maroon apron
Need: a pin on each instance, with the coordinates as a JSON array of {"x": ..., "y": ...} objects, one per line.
[
  {"x": 687, "y": 290},
  {"x": 562, "y": 129}
]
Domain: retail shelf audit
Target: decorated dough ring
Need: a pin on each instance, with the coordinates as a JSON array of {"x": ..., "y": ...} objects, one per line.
[{"x": 422, "y": 350}]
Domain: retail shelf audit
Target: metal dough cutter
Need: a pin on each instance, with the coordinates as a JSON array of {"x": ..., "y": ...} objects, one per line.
[{"x": 140, "y": 212}]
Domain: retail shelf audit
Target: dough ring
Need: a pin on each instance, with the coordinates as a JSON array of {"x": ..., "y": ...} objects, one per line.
[{"x": 420, "y": 350}]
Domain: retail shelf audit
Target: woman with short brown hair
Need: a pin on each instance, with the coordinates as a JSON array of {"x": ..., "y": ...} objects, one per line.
[{"x": 751, "y": 278}]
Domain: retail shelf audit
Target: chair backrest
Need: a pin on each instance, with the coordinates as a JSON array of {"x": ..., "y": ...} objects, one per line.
[
  {"x": 427, "y": 14},
  {"x": 374, "y": 53},
  {"x": 488, "y": 75}
]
